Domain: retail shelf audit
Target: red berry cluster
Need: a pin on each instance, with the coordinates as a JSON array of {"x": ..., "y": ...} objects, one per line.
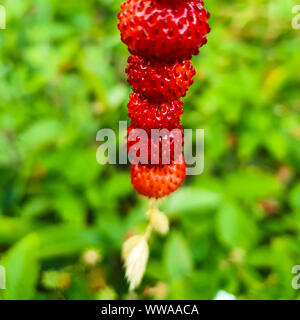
[{"x": 162, "y": 36}]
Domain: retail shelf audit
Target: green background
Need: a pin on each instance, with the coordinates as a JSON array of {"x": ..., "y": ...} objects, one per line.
[{"x": 236, "y": 227}]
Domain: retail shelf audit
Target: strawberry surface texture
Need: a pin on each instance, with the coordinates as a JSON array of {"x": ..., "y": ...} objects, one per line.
[{"x": 162, "y": 36}]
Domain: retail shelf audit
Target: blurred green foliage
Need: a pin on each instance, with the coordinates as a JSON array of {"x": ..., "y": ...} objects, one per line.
[{"x": 63, "y": 217}]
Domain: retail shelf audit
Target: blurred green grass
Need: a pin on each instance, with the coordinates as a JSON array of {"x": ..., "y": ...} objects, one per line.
[{"x": 63, "y": 217}]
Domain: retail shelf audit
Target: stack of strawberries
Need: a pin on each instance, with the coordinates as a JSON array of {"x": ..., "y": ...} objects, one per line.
[{"x": 162, "y": 36}]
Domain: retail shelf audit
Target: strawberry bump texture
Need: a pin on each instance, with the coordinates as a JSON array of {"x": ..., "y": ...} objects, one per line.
[
  {"x": 164, "y": 30},
  {"x": 157, "y": 181},
  {"x": 155, "y": 147},
  {"x": 162, "y": 36},
  {"x": 160, "y": 81},
  {"x": 147, "y": 115}
]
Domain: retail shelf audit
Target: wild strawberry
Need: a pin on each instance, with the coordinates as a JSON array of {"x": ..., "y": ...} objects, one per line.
[
  {"x": 158, "y": 81},
  {"x": 163, "y": 30},
  {"x": 165, "y": 147},
  {"x": 147, "y": 116},
  {"x": 156, "y": 181}
]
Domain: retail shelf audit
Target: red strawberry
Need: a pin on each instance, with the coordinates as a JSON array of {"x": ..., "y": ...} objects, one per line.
[
  {"x": 147, "y": 116},
  {"x": 158, "y": 81},
  {"x": 155, "y": 181},
  {"x": 161, "y": 30},
  {"x": 170, "y": 143}
]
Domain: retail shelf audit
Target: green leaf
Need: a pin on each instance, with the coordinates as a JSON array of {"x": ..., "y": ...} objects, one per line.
[
  {"x": 283, "y": 264},
  {"x": 40, "y": 134},
  {"x": 36, "y": 207},
  {"x": 252, "y": 184},
  {"x": 7, "y": 153},
  {"x": 12, "y": 229},
  {"x": 234, "y": 227},
  {"x": 70, "y": 208},
  {"x": 276, "y": 144},
  {"x": 63, "y": 240},
  {"x": 192, "y": 201},
  {"x": 294, "y": 197},
  {"x": 260, "y": 257},
  {"x": 177, "y": 257},
  {"x": 107, "y": 293},
  {"x": 22, "y": 269}
]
